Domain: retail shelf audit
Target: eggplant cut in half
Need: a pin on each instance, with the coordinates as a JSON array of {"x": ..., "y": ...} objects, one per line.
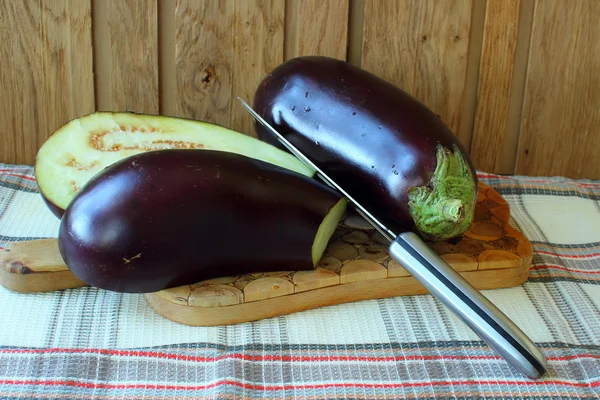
[
  {"x": 167, "y": 218},
  {"x": 83, "y": 147}
]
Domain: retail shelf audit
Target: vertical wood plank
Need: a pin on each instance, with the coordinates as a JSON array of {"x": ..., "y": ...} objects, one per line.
[
  {"x": 102, "y": 55},
  {"x": 257, "y": 49},
  {"x": 126, "y": 56},
  {"x": 204, "y": 59},
  {"x": 469, "y": 103},
  {"x": 495, "y": 83},
  {"x": 46, "y": 76},
  {"x": 391, "y": 56},
  {"x": 356, "y": 22},
  {"x": 442, "y": 53},
  {"x": 167, "y": 77},
  {"x": 69, "y": 86},
  {"x": 517, "y": 93},
  {"x": 20, "y": 71},
  {"x": 560, "y": 133},
  {"x": 223, "y": 50},
  {"x": 428, "y": 58},
  {"x": 317, "y": 27}
]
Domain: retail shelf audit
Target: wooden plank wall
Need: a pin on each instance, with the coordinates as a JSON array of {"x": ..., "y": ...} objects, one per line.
[{"x": 518, "y": 81}]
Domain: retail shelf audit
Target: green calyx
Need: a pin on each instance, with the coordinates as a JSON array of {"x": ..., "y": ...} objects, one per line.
[{"x": 445, "y": 208}]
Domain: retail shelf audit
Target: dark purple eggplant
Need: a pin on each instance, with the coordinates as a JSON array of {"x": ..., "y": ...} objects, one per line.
[
  {"x": 167, "y": 218},
  {"x": 386, "y": 149}
]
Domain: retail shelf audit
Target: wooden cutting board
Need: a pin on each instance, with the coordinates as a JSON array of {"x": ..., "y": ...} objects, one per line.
[{"x": 356, "y": 266}]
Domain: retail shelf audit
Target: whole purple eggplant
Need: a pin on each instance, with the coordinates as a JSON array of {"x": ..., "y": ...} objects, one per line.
[
  {"x": 386, "y": 149},
  {"x": 173, "y": 217}
]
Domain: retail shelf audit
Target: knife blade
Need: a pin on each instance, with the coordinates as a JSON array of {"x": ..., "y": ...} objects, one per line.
[{"x": 441, "y": 280}]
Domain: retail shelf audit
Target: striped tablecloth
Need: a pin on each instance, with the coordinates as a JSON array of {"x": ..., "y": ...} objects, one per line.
[{"x": 88, "y": 343}]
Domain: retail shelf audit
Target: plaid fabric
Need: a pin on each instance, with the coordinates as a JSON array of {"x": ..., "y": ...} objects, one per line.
[{"x": 89, "y": 343}]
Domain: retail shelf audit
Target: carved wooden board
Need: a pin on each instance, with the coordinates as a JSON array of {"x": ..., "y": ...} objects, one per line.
[{"x": 356, "y": 266}]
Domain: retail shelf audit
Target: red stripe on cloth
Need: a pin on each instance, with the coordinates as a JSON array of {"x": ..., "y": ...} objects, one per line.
[
  {"x": 554, "y": 266},
  {"x": 277, "y": 358},
  {"x": 251, "y": 386},
  {"x": 24, "y": 176},
  {"x": 240, "y": 356},
  {"x": 9, "y": 170},
  {"x": 557, "y": 275},
  {"x": 534, "y": 180},
  {"x": 556, "y": 187},
  {"x": 554, "y": 246},
  {"x": 581, "y": 257}
]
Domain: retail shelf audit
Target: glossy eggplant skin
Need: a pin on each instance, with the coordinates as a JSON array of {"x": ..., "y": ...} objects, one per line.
[
  {"x": 167, "y": 218},
  {"x": 368, "y": 135}
]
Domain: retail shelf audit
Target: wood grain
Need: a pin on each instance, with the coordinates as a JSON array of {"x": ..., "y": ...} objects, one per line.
[
  {"x": 495, "y": 83},
  {"x": 222, "y": 50},
  {"x": 491, "y": 255},
  {"x": 429, "y": 58},
  {"x": 508, "y": 157},
  {"x": 469, "y": 102},
  {"x": 126, "y": 55},
  {"x": 67, "y": 61},
  {"x": 204, "y": 59},
  {"x": 267, "y": 288},
  {"x": 442, "y": 53},
  {"x": 23, "y": 106},
  {"x": 167, "y": 78},
  {"x": 560, "y": 133},
  {"x": 33, "y": 256},
  {"x": 257, "y": 49},
  {"x": 355, "y": 253},
  {"x": 316, "y": 27},
  {"x": 309, "y": 280},
  {"x": 392, "y": 57},
  {"x": 46, "y": 76},
  {"x": 523, "y": 100},
  {"x": 326, "y": 296},
  {"x": 35, "y": 266},
  {"x": 356, "y": 21},
  {"x": 356, "y": 266}
]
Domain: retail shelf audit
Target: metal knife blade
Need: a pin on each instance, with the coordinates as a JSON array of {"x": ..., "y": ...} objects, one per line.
[
  {"x": 367, "y": 215},
  {"x": 442, "y": 281}
]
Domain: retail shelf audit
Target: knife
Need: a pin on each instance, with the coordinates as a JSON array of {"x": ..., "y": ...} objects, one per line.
[{"x": 441, "y": 280}]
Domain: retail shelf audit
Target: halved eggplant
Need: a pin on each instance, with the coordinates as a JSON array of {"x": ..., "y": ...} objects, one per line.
[
  {"x": 167, "y": 218},
  {"x": 74, "y": 153},
  {"x": 385, "y": 148}
]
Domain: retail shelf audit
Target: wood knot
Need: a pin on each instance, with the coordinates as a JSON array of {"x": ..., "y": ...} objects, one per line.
[
  {"x": 470, "y": 246},
  {"x": 209, "y": 73},
  {"x": 506, "y": 243},
  {"x": 424, "y": 38},
  {"x": 17, "y": 267}
]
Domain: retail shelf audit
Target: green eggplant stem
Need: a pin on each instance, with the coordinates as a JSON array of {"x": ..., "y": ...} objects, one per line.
[{"x": 446, "y": 206}]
